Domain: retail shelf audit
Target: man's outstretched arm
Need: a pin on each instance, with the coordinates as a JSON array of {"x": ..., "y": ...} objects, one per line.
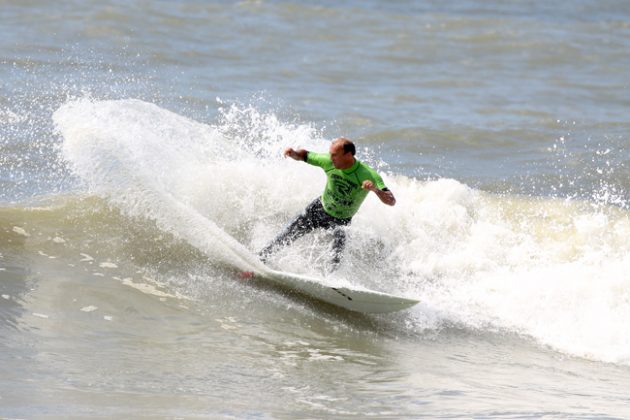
[
  {"x": 385, "y": 196},
  {"x": 296, "y": 154}
]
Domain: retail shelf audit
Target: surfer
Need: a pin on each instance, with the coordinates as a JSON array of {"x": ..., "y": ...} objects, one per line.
[{"x": 349, "y": 182}]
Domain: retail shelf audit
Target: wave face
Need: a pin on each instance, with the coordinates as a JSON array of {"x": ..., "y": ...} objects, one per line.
[{"x": 550, "y": 269}]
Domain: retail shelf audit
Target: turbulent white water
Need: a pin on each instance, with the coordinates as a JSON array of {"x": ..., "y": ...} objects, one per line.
[{"x": 555, "y": 270}]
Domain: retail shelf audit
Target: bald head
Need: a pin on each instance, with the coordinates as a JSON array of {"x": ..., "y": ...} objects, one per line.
[
  {"x": 342, "y": 152},
  {"x": 347, "y": 144}
]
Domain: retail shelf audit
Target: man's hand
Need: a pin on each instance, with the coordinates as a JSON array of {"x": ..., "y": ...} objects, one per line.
[
  {"x": 386, "y": 197},
  {"x": 295, "y": 154},
  {"x": 368, "y": 185}
]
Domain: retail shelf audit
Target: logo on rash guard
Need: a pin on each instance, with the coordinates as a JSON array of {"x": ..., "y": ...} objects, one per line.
[{"x": 342, "y": 190}]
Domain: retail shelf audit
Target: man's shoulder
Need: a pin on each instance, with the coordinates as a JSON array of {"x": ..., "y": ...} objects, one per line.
[
  {"x": 366, "y": 172},
  {"x": 366, "y": 169}
]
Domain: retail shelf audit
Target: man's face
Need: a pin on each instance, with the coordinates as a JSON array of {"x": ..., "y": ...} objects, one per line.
[{"x": 340, "y": 159}]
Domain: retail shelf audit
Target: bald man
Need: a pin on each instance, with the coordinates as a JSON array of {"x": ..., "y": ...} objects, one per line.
[{"x": 349, "y": 182}]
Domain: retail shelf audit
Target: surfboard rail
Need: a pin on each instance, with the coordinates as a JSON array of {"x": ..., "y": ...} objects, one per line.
[{"x": 353, "y": 299}]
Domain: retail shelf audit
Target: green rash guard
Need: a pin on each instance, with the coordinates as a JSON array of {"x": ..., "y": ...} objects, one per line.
[{"x": 343, "y": 194}]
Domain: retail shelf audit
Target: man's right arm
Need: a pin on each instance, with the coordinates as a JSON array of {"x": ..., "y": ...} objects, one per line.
[{"x": 296, "y": 154}]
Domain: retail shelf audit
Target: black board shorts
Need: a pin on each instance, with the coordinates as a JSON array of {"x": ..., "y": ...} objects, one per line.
[{"x": 313, "y": 217}]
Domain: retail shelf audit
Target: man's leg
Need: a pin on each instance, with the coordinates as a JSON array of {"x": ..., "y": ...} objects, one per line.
[
  {"x": 338, "y": 244},
  {"x": 337, "y": 228},
  {"x": 299, "y": 227}
]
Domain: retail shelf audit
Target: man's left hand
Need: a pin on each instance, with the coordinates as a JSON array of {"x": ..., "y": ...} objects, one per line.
[
  {"x": 368, "y": 185},
  {"x": 385, "y": 196}
]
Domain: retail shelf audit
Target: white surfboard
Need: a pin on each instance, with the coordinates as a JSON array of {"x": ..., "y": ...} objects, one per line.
[{"x": 358, "y": 300}]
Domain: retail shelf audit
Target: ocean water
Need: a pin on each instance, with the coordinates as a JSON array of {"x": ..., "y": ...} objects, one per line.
[{"x": 141, "y": 168}]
